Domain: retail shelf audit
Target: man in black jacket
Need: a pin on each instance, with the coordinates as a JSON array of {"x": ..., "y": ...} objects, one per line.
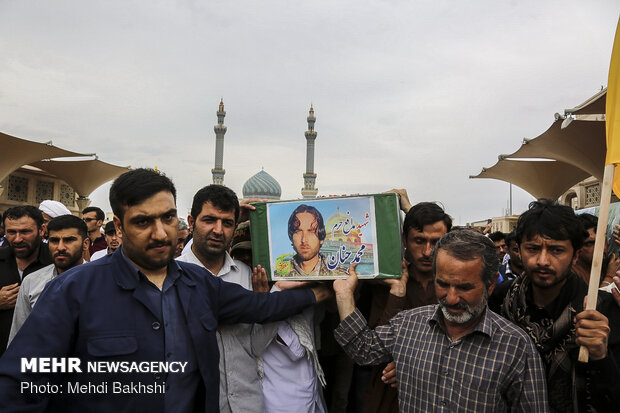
[
  {"x": 26, "y": 253},
  {"x": 548, "y": 301}
]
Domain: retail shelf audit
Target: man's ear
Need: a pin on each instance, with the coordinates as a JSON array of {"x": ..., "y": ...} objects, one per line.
[
  {"x": 42, "y": 229},
  {"x": 118, "y": 225},
  {"x": 85, "y": 244},
  {"x": 190, "y": 221},
  {"x": 575, "y": 257}
]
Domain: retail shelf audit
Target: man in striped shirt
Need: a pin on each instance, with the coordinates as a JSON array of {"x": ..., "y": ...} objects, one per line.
[{"x": 457, "y": 355}]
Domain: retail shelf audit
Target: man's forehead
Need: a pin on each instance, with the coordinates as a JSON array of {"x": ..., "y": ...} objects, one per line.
[
  {"x": 434, "y": 230},
  {"x": 209, "y": 209},
  {"x": 463, "y": 270},
  {"x": 19, "y": 223},
  {"x": 306, "y": 217},
  {"x": 65, "y": 232},
  {"x": 92, "y": 214},
  {"x": 157, "y": 204},
  {"x": 544, "y": 239}
]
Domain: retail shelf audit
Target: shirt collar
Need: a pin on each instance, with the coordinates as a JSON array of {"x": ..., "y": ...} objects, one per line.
[
  {"x": 173, "y": 272},
  {"x": 229, "y": 264}
]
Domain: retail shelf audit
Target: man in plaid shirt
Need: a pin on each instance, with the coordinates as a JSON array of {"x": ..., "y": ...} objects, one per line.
[{"x": 457, "y": 355}]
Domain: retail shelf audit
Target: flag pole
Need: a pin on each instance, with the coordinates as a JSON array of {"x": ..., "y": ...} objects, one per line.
[{"x": 599, "y": 245}]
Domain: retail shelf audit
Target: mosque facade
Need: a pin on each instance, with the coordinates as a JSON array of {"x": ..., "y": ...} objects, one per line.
[{"x": 262, "y": 185}]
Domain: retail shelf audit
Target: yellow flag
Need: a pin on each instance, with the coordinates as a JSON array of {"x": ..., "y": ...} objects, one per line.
[{"x": 612, "y": 112}]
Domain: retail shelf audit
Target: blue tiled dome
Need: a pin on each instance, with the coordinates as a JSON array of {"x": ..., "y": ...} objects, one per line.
[{"x": 262, "y": 185}]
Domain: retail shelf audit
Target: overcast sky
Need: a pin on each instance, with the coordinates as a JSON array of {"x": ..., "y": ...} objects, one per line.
[{"x": 413, "y": 94}]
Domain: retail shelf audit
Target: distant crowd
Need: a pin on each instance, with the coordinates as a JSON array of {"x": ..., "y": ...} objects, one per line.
[{"x": 479, "y": 321}]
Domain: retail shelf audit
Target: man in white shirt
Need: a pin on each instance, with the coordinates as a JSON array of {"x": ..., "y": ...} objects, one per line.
[
  {"x": 67, "y": 242},
  {"x": 214, "y": 215}
]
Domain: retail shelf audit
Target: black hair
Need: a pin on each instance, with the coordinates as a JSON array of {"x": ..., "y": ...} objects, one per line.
[
  {"x": 588, "y": 221},
  {"x": 220, "y": 196},
  {"x": 425, "y": 213},
  {"x": 135, "y": 186},
  {"x": 511, "y": 237},
  {"x": 67, "y": 221},
  {"x": 466, "y": 245},
  {"x": 100, "y": 214},
  {"x": 547, "y": 218},
  {"x": 21, "y": 211},
  {"x": 497, "y": 236},
  {"x": 293, "y": 221}
]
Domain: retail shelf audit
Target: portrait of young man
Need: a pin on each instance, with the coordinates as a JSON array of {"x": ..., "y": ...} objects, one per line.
[{"x": 306, "y": 230}]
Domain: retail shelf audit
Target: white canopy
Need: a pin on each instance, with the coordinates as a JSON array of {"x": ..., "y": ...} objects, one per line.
[
  {"x": 84, "y": 176},
  {"x": 573, "y": 148}
]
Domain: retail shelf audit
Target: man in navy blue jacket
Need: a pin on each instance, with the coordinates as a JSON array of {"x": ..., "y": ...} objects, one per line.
[{"x": 133, "y": 331}]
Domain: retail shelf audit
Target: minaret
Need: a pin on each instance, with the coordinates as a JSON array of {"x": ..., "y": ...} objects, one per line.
[
  {"x": 220, "y": 130},
  {"x": 309, "y": 191}
]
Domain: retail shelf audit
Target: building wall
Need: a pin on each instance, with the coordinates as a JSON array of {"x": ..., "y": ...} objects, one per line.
[
  {"x": 585, "y": 194},
  {"x": 31, "y": 186},
  {"x": 504, "y": 224}
]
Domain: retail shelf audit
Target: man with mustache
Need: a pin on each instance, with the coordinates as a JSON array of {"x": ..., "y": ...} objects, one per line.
[
  {"x": 67, "y": 241},
  {"x": 306, "y": 231},
  {"x": 111, "y": 238},
  {"x": 425, "y": 223},
  {"x": 213, "y": 218},
  {"x": 137, "y": 306},
  {"x": 26, "y": 254},
  {"x": 457, "y": 355},
  {"x": 94, "y": 216},
  {"x": 548, "y": 301}
]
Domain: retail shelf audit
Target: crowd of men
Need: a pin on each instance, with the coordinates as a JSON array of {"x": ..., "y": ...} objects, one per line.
[{"x": 477, "y": 322}]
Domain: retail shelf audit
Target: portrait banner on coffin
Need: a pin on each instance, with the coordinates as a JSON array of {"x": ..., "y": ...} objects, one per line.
[{"x": 319, "y": 239}]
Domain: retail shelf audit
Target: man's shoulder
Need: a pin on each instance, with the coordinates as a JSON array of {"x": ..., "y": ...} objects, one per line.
[
  {"x": 503, "y": 328},
  {"x": 100, "y": 240},
  {"x": 98, "y": 254},
  {"x": 101, "y": 271},
  {"x": 192, "y": 265},
  {"x": 5, "y": 253},
  {"x": 609, "y": 308},
  {"x": 35, "y": 277},
  {"x": 242, "y": 266},
  {"x": 425, "y": 312}
]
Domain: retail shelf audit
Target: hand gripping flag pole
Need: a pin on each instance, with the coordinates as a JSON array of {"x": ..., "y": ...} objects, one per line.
[{"x": 612, "y": 130}]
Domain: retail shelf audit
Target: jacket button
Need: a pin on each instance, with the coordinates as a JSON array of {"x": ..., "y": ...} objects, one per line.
[{"x": 156, "y": 325}]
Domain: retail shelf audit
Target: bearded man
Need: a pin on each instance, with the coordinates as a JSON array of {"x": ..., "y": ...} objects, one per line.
[
  {"x": 67, "y": 240},
  {"x": 26, "y": 254},
  {"x": 456, "y": 355}
]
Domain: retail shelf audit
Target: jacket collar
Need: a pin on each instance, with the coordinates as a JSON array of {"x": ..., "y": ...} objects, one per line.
[{"x": 127, "y": 275}]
